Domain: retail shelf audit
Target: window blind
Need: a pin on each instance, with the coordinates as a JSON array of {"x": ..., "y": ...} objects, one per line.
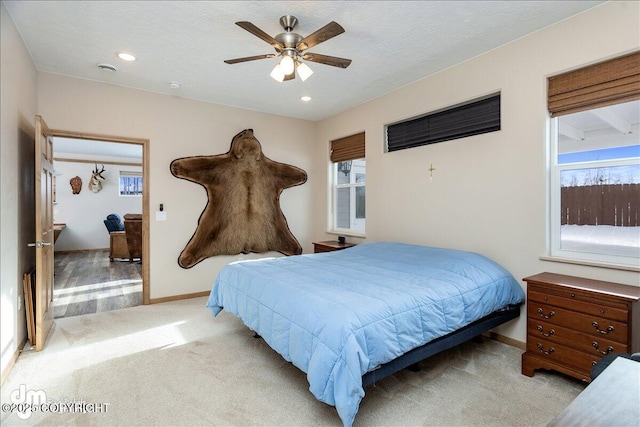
[
  {"x": 473, "y": 118},
  {"x": 348, "y": 148},
  {"x": 610, "y": 82}
]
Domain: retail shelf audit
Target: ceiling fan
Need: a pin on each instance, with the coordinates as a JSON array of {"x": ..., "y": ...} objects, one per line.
[{"x": 291, "y": 47}]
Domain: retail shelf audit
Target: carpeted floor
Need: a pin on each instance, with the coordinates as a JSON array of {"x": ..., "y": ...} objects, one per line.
[{"x": 175, "y": 364}]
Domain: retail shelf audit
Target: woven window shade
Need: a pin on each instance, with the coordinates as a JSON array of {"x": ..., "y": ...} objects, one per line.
[
  {"x": 606, "y": 83},
  {"x": 348, "y": 148}
]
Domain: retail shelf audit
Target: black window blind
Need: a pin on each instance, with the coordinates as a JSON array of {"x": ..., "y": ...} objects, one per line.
[{"x": 473, "y": 118}]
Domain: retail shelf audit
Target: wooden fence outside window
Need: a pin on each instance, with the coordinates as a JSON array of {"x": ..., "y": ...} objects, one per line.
[{"x": 614, "y": 204}]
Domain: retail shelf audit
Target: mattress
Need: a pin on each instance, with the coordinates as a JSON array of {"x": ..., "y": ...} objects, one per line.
[{"x": 338, "y": 315}]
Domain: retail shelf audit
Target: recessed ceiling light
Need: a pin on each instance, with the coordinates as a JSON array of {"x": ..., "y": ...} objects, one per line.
[
  {"x": 174, "y": 85},
  {"x": 126, "y": 56},
  {"x": 305, "y": 98}
]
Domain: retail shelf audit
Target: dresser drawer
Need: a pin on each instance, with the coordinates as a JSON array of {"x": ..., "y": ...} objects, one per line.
[
  {"x": 589, "y": 324},
  {"x": 574, "y": 294},
  {"x": 587, "y": 343},
  {"x": 563, "y": 355},
  {"x": 601, "y": 310}
]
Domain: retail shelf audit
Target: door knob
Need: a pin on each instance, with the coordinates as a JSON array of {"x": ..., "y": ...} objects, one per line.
[{"x": 39, "y": 244}]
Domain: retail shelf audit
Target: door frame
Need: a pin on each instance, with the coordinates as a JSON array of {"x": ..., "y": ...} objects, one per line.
[{"x": 145, "y": 193}]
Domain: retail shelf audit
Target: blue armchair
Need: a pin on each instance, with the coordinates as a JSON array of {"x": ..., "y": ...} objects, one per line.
[
  {"x": 114, "y": 223},
  {"x": 117, "y": 237}
]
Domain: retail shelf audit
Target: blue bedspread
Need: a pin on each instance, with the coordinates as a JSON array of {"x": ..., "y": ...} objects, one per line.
[{"x": 338, "y": 315}]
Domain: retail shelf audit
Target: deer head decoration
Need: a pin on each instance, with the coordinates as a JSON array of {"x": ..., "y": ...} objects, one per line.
[{"x": 95, "y": 183}]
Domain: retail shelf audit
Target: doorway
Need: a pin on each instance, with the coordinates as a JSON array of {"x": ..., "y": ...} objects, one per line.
[{"x": 89, "y": 275}]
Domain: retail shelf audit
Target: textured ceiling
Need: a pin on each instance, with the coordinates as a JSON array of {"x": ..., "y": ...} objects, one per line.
[{"x": 391, "y": 43}]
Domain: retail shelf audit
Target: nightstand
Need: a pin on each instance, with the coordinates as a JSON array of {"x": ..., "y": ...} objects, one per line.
[{"x": 330, "y": 246}]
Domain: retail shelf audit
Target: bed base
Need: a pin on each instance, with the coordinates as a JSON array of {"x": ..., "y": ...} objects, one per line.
[{"x": 411, "y": 358}]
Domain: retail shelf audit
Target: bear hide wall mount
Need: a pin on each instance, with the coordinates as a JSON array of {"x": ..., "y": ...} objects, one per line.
[{"x": 243, "y": 212}]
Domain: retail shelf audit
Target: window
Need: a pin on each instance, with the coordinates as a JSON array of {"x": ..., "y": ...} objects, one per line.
[
  {"x": 348, "y": 177},
  {"x": 471, "y": 118},
  {"x": 595, "y": 164},
  {"x": 130, "y": 183}
]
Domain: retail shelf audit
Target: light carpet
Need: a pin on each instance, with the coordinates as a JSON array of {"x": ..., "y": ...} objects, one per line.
[{"x": 176, "y": 364}]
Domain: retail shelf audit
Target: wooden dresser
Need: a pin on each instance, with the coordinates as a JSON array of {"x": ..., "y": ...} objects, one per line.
[{"x": 572, "y": 322}]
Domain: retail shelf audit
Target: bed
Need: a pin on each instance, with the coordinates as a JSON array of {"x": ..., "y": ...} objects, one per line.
[{"x": 351, "y": 317}]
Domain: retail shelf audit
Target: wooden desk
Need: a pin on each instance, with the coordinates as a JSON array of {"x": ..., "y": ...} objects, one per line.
[
  {"x": 612, "y": 399},
  {"x": 57, "y": 229}
]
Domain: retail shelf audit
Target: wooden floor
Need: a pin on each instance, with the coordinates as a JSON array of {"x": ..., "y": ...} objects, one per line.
[{"x": 87, "y": 282}]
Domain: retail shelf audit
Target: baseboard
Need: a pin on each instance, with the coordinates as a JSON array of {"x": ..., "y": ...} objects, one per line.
[
  {"x": 506, "y": 340},
  {"x": 12, "y": 362},
  {"x": 178, "y": 297}
]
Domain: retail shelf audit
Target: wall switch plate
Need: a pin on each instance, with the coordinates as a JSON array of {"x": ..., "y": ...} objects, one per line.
[{"x": 161, "y": 216}]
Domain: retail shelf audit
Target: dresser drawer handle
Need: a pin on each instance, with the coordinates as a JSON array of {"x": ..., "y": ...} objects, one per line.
[
  {"x": 546, "y": 316},
  {"x": 603, "y": 332},
  {"x": 541, "y": 330},
  {"x": 551, "y": 349},
  {"x": 608, "y": 350}
]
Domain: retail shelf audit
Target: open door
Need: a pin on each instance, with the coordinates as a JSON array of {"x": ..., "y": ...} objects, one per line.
[{"x": 44, "y": 232}]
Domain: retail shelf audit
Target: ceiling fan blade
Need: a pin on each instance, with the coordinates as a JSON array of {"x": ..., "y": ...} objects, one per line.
[
  {"x": 249, "y": 58},
  {"x": 261, "y": 34},
  {"x": 327, "y": 60},
  {"x": 330, "y": 30},
  {"x": 290, "y": 76}
]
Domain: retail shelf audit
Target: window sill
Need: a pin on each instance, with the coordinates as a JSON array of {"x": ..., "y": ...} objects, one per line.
[
  {"x": 347, "y": 233},
  {"x": 590, "y": 263}
]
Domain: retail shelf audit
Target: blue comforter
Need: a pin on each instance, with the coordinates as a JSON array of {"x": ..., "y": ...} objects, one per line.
[{"x": 338, "y": 315}]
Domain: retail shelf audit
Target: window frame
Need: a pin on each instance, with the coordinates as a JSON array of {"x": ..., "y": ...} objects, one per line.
[
  {"x": 352, "y": 185},
  {"x": 554, "y": 249},
  {"x": 131, "y": 174},
  {"x": 609, "y": 82}
]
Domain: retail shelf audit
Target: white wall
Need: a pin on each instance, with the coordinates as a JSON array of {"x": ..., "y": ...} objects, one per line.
[
  {"x": 84, "y": 213},
  {"x": 488, "y": 192},
  {"x": 177, "y": 127},
  {"x": 17, "y": 215}
]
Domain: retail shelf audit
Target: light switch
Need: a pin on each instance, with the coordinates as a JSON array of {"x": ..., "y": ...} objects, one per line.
[{"x": 161, "y": 216}]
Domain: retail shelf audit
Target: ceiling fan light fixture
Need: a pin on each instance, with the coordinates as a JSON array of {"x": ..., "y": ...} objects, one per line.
[
  {"x": 287, "y": 65},
  {"x": 291, "y": 48},
  {"x": 277, "y": 74},
  {"x": 304, "y": 71}
]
